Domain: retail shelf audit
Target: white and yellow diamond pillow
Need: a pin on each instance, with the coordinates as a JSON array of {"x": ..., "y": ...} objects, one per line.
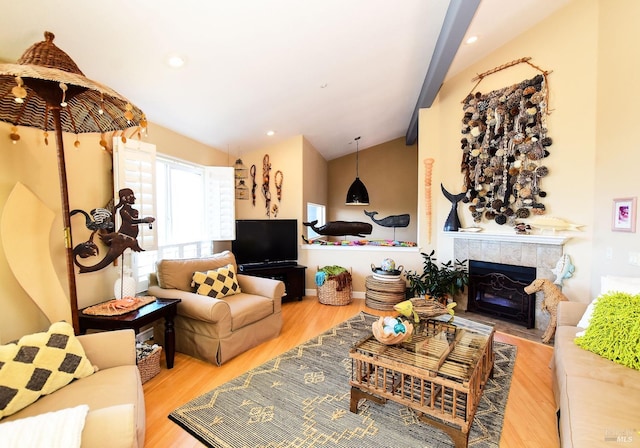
[
  {"x": 39, "y": 364},
  {"x": 217, "y": 283}
]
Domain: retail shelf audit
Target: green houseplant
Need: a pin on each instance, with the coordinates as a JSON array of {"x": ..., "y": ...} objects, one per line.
[{"x": 439, "y": 281}]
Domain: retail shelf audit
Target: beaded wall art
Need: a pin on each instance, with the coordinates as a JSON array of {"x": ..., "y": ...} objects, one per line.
[{"x": 504, "y": 144}]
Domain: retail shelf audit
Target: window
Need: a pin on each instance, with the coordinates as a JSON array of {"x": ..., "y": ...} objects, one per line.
[
  {"x": 194, "y": 206},
  {"x": 315, "y": 212}
]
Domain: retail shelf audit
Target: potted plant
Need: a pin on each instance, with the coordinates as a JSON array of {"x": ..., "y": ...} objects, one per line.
[{"x": 438, "y": 281}]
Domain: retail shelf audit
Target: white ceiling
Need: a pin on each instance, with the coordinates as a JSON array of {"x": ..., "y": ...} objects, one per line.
[{"x": 330, "y": 70}]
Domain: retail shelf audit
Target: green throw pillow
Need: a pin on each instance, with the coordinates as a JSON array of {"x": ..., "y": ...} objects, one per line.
[
  {"x": 614, "y": 330},
  {"x": 217, "y": 283},
  {"x": 39, "y": 364}
]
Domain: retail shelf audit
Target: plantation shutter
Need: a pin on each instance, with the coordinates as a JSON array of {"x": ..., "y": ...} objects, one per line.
[
  {"x": 220, "y": 203},
  {"x": 134, "y": 164}
]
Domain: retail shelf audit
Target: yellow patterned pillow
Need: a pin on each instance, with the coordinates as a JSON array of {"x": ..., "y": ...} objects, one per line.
[
  {"x": 39, "y": 364},
  {"x": 217, "y": 283}
]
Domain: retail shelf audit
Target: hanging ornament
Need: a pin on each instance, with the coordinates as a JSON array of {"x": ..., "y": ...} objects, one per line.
[
  {"x": 19, "y": 92},
  {"x": 128, "y": 114},
  {"x": 64, "y": 88},
  {"x": 77, "y": 142},
  {"x": 103, "y": 142},
  {"x": 46, "y": 138},
  {"x": 277, "y": 180},
  {"x": 14, "y": 136}
]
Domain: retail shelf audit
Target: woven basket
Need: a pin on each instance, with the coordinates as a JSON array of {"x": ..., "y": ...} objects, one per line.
[
  {"x": 328, "y": 293},
  {"x": 427, "y": 308},
  {"x": 384, "y": 294},
  {"x": 148, "y": 364}
]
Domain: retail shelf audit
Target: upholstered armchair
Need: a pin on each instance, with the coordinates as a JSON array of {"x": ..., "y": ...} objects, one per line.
[{"x": 215, "y": 323}]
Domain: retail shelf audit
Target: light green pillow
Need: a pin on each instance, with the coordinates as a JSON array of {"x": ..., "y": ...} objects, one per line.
[{"x": 614, "y": 330}]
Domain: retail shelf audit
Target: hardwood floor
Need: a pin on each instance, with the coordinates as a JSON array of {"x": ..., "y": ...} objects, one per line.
[{"x": 530, "y": 419}]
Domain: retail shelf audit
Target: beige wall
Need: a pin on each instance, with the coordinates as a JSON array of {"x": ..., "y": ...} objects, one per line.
[
  {"x": 617, "y": 156},
  {"x": 286, "y": 157},
  {"x": 89, "y": 172},
  {"x": 389, "y": 172},
  {"x": 592, "y": 158}
]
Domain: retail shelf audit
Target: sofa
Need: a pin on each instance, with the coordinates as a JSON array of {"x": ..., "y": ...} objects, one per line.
[
  {"x": 114, "y": 395},
  {"x": 216, "y": 329},
  {"x": 598, "y": 400}
]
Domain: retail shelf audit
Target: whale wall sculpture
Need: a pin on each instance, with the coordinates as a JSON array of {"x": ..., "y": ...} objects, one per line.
[
  {"x": 341, "y": 228},
  {"x": 391, "y": 220}
]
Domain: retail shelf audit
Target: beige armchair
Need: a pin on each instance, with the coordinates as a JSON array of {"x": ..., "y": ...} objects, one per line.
[{"x": 216, "y": 330}]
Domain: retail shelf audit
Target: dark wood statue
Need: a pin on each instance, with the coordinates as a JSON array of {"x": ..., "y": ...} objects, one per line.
[
  {"x": 117, "y": 242},
  {"x": 452, "y": 224},
  {"x": 341, "y": 228}
]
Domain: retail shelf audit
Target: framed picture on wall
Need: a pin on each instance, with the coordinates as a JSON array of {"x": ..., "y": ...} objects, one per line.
[{"x": 624, "y": 215}]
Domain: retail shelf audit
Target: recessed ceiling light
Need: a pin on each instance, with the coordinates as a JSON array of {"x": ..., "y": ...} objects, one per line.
[
  {"x": 176, "y": 61},
  {"x": 471, "y": 40},
  {"x": 271, "y": 133}
]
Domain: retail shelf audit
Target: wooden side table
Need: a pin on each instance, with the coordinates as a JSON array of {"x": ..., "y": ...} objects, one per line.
[{"x": 137, "y": 319}]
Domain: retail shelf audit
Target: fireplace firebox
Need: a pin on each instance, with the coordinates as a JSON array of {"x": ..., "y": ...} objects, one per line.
[{"x": 497, "y": 290}]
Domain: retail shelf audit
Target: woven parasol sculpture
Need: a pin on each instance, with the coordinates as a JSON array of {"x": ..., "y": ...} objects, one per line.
[{"x": 46, "y": 90}]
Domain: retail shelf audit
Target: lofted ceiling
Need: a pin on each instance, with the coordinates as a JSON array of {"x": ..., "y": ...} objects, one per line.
[{"x": 330, "y": 70}]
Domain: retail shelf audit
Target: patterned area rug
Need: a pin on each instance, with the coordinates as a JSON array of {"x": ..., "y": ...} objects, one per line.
[{"x": 301, "y": 399}]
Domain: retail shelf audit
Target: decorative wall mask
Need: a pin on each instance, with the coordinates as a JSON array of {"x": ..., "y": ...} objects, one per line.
[
  {"x": 254, "y": 184},
  {"x": 278, "y": 178},
  {"x": 504, "y": 142},
  {"x": 266, "y": 167}
]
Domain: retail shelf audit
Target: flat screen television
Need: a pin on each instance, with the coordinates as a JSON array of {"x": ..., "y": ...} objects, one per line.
[{"x": 265, "y": 242}]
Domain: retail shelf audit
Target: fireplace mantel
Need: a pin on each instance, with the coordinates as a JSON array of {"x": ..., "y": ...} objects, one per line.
[{"x": 553, "y": 240}]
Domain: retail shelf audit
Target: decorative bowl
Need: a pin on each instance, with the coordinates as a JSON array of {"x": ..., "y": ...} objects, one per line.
[{"x": 378, "y": 332}]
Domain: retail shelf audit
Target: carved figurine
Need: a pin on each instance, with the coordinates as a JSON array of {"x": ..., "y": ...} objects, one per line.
[
  {"x": 341, "y": 228},
  {"x": 118, "y": 242},
  {"x": 564, "y": 269},
  {"x": 552, "y": 296},
  {"x": 452, "y": 224}
]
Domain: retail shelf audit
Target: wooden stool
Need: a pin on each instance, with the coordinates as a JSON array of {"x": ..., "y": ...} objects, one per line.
[{"x": 383, "y": 294}]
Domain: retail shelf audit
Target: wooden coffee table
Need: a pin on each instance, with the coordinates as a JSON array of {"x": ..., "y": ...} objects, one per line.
[
  {"x": 137, "y": 319},
  {"x": 440, "y": 373}
]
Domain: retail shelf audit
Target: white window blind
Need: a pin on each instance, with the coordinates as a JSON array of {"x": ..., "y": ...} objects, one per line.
[
  {"x": 193, "y": 205},
  {"x": 220, "y": 203},
  {"x": 134, "y": 167}
]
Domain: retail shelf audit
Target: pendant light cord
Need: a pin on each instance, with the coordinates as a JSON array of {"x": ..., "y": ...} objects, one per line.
[{"x": 357, "y": 158}]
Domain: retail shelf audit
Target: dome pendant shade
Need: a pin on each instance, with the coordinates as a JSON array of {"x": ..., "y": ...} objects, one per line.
[{"x": 357, "y": 194}]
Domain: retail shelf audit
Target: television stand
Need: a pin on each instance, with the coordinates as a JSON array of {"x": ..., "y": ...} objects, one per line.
[{"x": 292, "y": 276}]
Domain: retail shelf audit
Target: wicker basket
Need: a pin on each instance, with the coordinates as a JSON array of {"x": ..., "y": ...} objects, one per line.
[
  {"x": 384, "y": 294},
  {"x": 328, "y": 293},
  {"x": 148, "y": 360}
]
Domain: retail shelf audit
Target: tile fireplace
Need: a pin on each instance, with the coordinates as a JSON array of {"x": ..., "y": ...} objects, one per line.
[
  {"x": 539, "y": 252},
  {"x": 497, "y": 289}
]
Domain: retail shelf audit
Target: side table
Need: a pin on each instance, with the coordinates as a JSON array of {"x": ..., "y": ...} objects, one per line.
[
  {"x": 384, "y": 294},
  {"x": 137, "y": 319}
]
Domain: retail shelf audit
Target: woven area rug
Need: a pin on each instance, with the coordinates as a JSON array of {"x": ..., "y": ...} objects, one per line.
[{"x": 301, "y": 399}]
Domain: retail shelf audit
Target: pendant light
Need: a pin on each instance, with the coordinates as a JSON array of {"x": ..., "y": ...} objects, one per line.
[{"x": 357, "y": 194}]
